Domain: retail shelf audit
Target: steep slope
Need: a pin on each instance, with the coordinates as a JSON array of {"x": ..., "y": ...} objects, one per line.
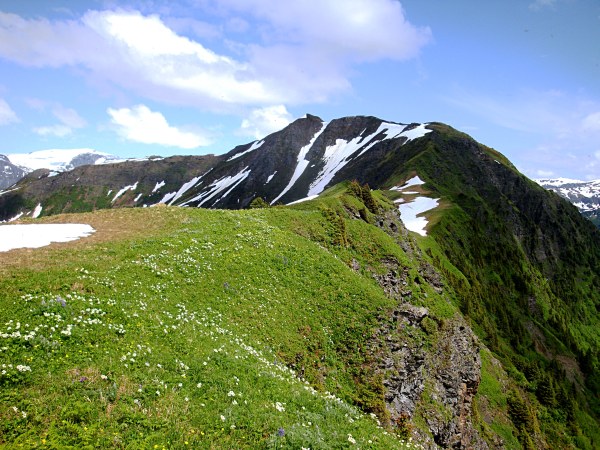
[
  {"x": 585, "y": 195},
  {"x": 9, "y": 172},
  {"x": 528, "y": 271}
]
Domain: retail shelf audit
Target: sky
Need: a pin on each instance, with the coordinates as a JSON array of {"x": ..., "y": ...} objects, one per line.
[{"x": 137, "y": 78}]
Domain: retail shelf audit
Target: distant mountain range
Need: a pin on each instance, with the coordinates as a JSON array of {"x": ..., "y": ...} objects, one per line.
[
  {"x": 9, "y": 172},
  {"x": 177, "y": 189},
  {"x": 15, "y": 166},
  {"x": 585, "y": 195}
]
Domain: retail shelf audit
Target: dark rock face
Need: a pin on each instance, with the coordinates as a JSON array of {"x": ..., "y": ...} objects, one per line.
[
  {"x": 440, "y": 385},
  {"x": 437, "y": 382},
  {"x": 9, "y": 173},
  {"x": 456, "y": 366}
]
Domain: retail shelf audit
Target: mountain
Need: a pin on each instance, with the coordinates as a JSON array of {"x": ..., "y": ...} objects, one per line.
[
  {"x": 59, "y": 160},
  {"x": 585, "y": 195},
  {"x": 9, "y": 172},
  {"x": 297, "y": 162},
  {"x": 504, "y": 353}
]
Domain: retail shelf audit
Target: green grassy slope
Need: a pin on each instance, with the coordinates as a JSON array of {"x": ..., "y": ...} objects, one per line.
[{"x": 207, "y": 329}]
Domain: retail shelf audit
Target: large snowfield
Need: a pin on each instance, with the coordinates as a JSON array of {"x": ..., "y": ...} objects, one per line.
[{"x": 40, "y": 235}]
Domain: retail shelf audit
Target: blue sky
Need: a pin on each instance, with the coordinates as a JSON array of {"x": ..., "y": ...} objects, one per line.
[{"x": 158, "y": 77}]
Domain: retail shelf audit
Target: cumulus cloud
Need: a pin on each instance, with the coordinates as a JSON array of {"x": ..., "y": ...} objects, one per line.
[
  {"x": 264, "y": 121},
  {"x": 7, "y": 115},
  {"x": 140, "y": 124},
  {"x": 302, "y": 54}
]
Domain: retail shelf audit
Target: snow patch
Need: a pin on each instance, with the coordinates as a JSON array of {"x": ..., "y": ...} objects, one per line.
[
  {"x": 17, "y": 217},
  {"x": 341, "y": 153},
  {"x": 158, "y": 186},
  {"x": 414, "y": 181},
  {"x": 40, "y": 235},
  {"x": 310, "y": 197},
  {"x": 8, "y": 190},
  {"x": 168, "y": 197},
  {"x": 253, "y": 147},
  {"x": 185, "y": 187},
  {"x": 415, "y": 133},
  {"x": 270, "y": 177},
  {"x": 218, "y": 186},
  {"x": 302, "y": 163},
  {"x": 411, "y": 209},
  {"x": 336, "y": 157},
  {"x": 138, "y": 197},
  {"x": 37, "y": 211},
  {"x": 133, "y": 187}
]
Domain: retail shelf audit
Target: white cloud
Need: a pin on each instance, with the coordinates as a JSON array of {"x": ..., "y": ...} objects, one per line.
[
  {"x": 54, "y": 130},
  {"x": 68, "y": 117},
  {"x": 303, "y": 52},
  {"x": 360, "y": 30},
  {"x": 69, "y": 120},
  {"x": 591, "y": 122},
  {"x": 264, "y": 121},
  {"x": 140, "y": 124},
  {"x": 7, "y": 115}
]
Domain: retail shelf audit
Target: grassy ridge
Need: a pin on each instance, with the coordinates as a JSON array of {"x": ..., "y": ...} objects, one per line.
[{"x": 211, "y": 329}]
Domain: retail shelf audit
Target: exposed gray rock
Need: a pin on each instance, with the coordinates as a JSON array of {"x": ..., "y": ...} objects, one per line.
[
  {"x": 454, "y": 375},
  {"x": 9, "y": 173},
  {"x": 432, "y": 369}
]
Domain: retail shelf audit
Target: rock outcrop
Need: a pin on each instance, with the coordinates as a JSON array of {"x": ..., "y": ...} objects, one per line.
[{"x": 431, "y": 367}]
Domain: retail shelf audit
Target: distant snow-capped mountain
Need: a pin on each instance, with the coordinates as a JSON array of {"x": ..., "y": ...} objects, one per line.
[
  {"x": 585, "y": 195},
  {"x": 58, "y": 160},
  {"x": 9, "y": 172}
]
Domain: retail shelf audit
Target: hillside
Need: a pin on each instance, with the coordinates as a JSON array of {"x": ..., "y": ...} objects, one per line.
[
  {"x": 128, "y": 331},
  {"x": 480, "y": 330}
]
